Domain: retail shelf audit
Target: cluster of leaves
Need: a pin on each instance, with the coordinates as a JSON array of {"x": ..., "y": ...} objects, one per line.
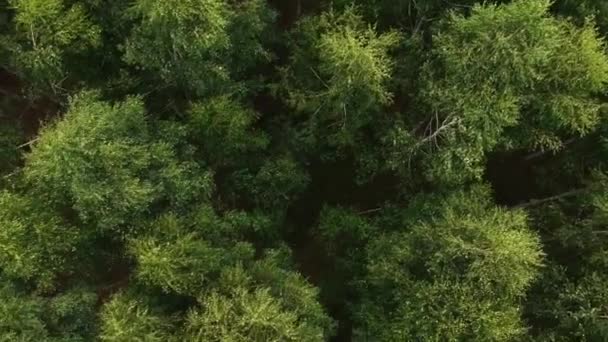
[{"x": 212, "y": 173}]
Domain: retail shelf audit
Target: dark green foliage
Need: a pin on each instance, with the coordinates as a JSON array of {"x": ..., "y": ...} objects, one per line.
[
  {"x": 46, "y": 35},
  {"x": 69, "y": 317},
  {"x": 20, "y": 317},
  {"x": 568, "y": 301},
  {"x": 568, "y": 309},
  {"x": 10, "y": 139},
  {"x": 198, "y": 46},
  {"x": 583, "y": 10},
  {"x": 410, "y": 15},
  {"x": 275, "y": 184},
  {"x": 223, "y": 129}
]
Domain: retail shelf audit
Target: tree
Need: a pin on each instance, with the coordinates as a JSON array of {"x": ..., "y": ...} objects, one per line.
[
  {"x": 239, "y": 298},
  {"x": 459, "y": 275},
  {"x": 365, "y": 170},
  {"x": 337, "y": 79},
  {"x": 20, "y": 317},
  {"x": 567, "y": 302},
  {"x": 272, "y": 186},
  {"x": 225, "y": 131},
  {"x": 103, "y": 162},
  {"x": 282, "y": 307},
  {"x": 183, "y": 259},
  {"x": 563, "y": 308},
  {"x": 67, "y": 317},
  {"x": 35, "y": 243},
  {"x": 509, "y": 76},
  {"x": 198, "y": 46},
  {"x": 47, "y": 35},
  {"x": 125, "y": 318}
]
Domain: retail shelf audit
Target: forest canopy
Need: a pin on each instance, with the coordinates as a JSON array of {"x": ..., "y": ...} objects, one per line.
[{"x": 306, "y": 170}]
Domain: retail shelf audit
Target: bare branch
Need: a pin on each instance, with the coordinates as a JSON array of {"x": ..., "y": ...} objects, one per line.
[
  {"x": 319, "y": 77},
  {"x": 536, "y": 202},
  {"x": 438, "y": 131},
  {"x": 374, "y": 210},
  {"x": 31, "y": 142}
]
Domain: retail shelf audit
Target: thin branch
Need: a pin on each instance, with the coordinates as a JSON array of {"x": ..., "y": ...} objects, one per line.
[
  {"x": 298, "y": 8},
  {"x": 14, "y": 173},
  {"x": 344, "y": 120},
  {"x": 369, "y": 211},
  {"x": 536, "y": 202},
  {"x": 419, "y": 25},
  {"x": 457, "y": 5},
  {"x": 418, "y": 126},
  {"x": 28, "y": 143},
  {"x": 319, "y": 77},
  {"x": 34, "y": 45},
  {"x": 443, "y": 127}
]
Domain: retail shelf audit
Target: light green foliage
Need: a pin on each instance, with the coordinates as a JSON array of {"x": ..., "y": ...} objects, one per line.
[
  {"x": 262, "y": 301},
  {"x": 245, "y": 316},
  {"x": 35, "y": 244},
  {"x": 454, "y": 277},
  {"x": 275, "y": 272},
  {"x": 279, "y": 306},
  {"x": 508, "y": 75},
  {"x": 190, "y": 44},
  {"x": 443, "y": 310},
  {"x": 225, "y": 131},
  {"x": 47, "y": 34},
  {"x": 282, "y": 307},
  {"x": 102, "y": 161},
  {"x": 126, "y": 318},
  {"x": 338, "y": 77},
  {"x": 177, "y": 257}
]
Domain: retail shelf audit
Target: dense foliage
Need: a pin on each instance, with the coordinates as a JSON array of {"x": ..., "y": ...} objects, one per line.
[{"x": 346, "y": 170}]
